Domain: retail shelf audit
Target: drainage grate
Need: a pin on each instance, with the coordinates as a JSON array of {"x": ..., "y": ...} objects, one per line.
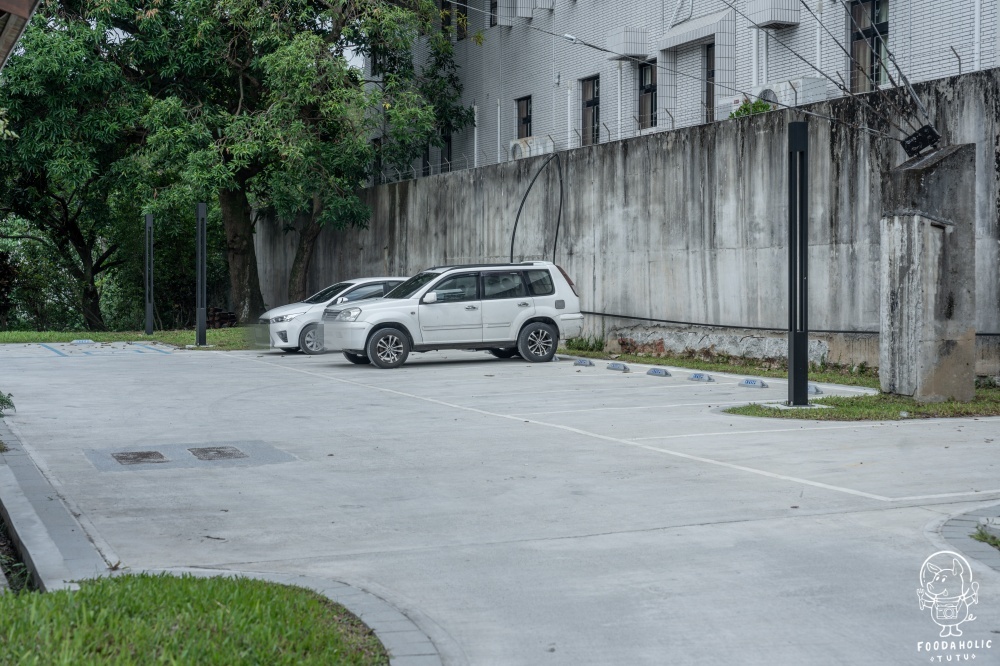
[
  {"x": 139, "y": 457},
  {"x": 218, "y": 453}
]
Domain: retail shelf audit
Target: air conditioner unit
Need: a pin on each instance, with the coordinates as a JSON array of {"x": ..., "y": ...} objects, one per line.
[
  {"x": 530, "y": 146},
  {"x": 795, "y": 92}
]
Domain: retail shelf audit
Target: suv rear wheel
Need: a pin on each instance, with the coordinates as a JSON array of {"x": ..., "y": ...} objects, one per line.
[
  {"x": 388, "y": 348},
  {"x": 537, "y": 342}
]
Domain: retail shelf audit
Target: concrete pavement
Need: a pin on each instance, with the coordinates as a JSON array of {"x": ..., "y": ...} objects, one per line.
[{"x": 516, "y": 513}]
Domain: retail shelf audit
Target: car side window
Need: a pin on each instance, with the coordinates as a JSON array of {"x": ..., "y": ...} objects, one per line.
[
  {"x": 540, "y": 283},
  {"x": 366, "y": 291},
  {"x": 389, "y": 286},
  {"x": 463, "y": 287},
  {"x": 503, "y": 285}
]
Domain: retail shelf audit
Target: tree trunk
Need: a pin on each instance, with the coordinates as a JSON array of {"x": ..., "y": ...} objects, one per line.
[
  {"x": 244, "y": 282},
  {"x": 91, "y": 303},
  {"x": 303, "y": 258}
]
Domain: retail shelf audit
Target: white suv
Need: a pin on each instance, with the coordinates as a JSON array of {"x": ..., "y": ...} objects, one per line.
[{"x": 508, "y": 309}]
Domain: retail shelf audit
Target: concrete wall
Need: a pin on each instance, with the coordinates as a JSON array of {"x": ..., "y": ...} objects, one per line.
[{"x": 684, "y": 226}]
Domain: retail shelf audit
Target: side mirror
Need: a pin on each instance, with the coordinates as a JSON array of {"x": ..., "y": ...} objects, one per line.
[
  {"x": 431, "y": 297},
  {"x": 342, "y": 299}
]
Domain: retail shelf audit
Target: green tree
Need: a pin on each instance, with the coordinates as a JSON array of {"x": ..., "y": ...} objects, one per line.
[
  {"x": 255, "y": 102},
  {"x": 67, "y": 180}
]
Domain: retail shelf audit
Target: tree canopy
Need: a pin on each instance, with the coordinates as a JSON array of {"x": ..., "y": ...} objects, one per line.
[{"x": 128, "y": 106}]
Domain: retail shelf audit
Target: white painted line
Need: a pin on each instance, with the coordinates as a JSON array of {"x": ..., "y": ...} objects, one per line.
[
  {"x": 606, "y": 409},
  {"x": 636, "y": 443}
]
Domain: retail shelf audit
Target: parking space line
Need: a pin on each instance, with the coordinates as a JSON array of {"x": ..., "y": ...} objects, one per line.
[
  {"x": 152, "y": 349},
  {"x": 606, "y": 409},
  {"x": 647, "y": 447},
  {"x": 52, "y": 349}
]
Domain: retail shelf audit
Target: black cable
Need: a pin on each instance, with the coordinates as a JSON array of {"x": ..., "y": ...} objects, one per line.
[
  {"x": 892, "y": 58},
  {"x": 513, "y": 233},
  {"x": 555, "y": 241},
  {"x": 800, "y": 57},
  {"x": 903, "y": 113}
]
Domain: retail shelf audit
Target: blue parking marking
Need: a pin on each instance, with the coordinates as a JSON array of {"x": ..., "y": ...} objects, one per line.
[
  {"x": 152, "y": 349},
  {"x": 52, "y": 349}
]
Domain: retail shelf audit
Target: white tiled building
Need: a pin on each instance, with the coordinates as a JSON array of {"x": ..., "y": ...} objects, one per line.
[{"x": 570, "y": 72}]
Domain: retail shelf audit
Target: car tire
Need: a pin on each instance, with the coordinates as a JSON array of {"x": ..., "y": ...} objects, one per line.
[
  {"x": 388, "y": 348},
  {"x": 310, "y": 341},
  {"x": 537, "y": 342},
  {"x": 505, "y": 352},
  {"x": 357, "y": 359}
]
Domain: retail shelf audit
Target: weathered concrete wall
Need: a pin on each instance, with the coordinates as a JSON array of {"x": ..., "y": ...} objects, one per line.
[
  {"x": 928, "y": 292},
  {"x": 684, "y": 226}
]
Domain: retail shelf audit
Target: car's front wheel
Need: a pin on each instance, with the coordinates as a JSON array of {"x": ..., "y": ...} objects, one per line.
[
  {"x": 537, "y": 342},
  {"x": 388, "y": 348},
  {"x": 506, "y": 352},
  {"x": 357, "y": 359},
  {"x": 310, "y": 340}
]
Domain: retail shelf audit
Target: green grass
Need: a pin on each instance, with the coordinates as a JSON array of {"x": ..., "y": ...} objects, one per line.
[
  {"x": 224, "y": 339},
  {"x": 882, "y": 407},
  {"x": 147, "y": 619},
  {"x": 987, "y": 538},
  {"x": 751, "y": 367}
]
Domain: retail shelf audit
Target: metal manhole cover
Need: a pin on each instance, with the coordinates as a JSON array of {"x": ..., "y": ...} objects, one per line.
[
  {"x": 139, "y": 457},
  {"x": 218, "y": 453}
]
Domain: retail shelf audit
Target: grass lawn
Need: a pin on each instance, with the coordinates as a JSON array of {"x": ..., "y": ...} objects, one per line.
[
  {"x": 224, "y": 339},
  {"x": 750, "y": 367},
  {"x": 882, "y": 407},
  {"x": 146, "y": 619}
]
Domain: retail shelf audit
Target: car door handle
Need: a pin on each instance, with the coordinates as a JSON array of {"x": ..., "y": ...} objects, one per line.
[
  {"x": 471, "y": 307},
  {"x": 522, "y": 305}
]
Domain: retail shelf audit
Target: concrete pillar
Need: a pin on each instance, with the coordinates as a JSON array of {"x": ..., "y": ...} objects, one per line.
[{"x": 927, "y": 341}]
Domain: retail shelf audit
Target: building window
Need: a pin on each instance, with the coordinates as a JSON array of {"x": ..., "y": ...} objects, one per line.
[
  {"x": 462, "y": 19},
  {"x": 523, "y": 117},
  {"x": 591, "y": 103},
  {"x": 710, "y": 83},
  {"x": 647, "y": 95},
  {"x": 446, "y": 154},
  {"x": 869, "y": 35},
  {"x": 494, "y": 12},
  {"x": 445, "y": 15}
]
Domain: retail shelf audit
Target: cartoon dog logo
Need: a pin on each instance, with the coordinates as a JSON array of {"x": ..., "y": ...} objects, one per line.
[{"x": 948, "y": 592}]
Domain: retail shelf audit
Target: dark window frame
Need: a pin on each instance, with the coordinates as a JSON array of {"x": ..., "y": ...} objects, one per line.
[
  {"x": 523, "y": 117},
  {"x": 591, "y": 135},
  {"x": 874, "y": 36},
  {"x": 461, "y": 19},
  {"x": 494, "y": 13},
  {"x": 446, "y": 13},
  {"x": 709, "y": 55},
  {"x": 647, "y": 90}
]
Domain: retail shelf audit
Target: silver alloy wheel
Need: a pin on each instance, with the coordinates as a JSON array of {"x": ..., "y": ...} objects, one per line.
[
  {"x": 389, "y": 348},
  {"x": 311, "y": 341},
  {"x": 539, "y": 342}
]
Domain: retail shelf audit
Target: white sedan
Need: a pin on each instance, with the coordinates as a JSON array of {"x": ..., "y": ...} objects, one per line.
[{"x": 295, "y": 326}]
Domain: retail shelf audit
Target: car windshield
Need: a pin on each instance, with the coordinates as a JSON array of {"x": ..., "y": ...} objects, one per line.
[
  {"x": 328, "y": 293},
  {"x": 412, "y": 286}
]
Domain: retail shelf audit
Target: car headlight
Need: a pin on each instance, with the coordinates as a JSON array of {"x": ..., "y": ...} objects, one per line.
[
  {"x": 287, "y": 317},
  {"x": 350, "y": 314}
]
